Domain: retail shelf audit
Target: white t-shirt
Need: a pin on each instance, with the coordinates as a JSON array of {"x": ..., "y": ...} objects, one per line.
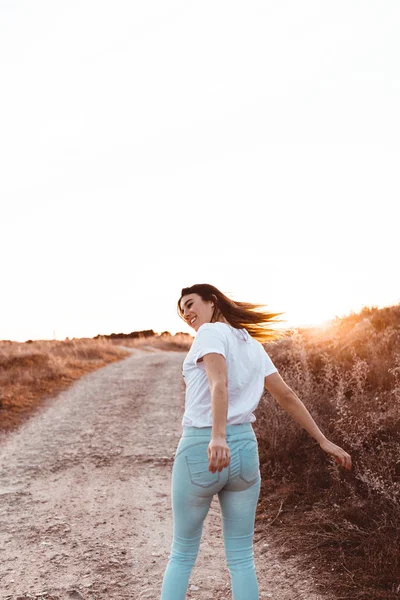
[{"x": 247, "y": 364}]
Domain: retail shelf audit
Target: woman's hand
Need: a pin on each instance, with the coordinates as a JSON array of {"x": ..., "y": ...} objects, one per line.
[
  {"x": 341, "y": 457},
  {"x": 219, "y": 454}
]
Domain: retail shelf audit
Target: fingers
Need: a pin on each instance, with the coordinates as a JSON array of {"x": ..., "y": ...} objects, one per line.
[
  {"x": 347, "y": 461},
  {"x": 343, "y": 459},
  {"x": 218, "y": 459},
  {"x": 217, "y": 464},
  {"x": 340, "y": 455}
]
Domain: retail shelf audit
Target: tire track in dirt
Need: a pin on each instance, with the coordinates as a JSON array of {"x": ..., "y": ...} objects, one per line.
[{"x": 85, "y": 505}]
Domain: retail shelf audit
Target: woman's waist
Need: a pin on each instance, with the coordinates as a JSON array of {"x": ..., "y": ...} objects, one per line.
[{"x": 231, "y": 430}]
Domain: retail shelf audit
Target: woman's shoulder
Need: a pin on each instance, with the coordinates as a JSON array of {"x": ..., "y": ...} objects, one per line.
[
  {"x": 217, "y": 326},
  {"x": 226, "y": 330},
  {"x": 214, "y": 324}
]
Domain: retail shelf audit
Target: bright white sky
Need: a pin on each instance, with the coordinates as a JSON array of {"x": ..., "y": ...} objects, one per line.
[{"x": 148, "y": 146}]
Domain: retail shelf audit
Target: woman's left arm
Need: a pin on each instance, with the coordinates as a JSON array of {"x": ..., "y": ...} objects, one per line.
[{"x": 292, "y": 404}]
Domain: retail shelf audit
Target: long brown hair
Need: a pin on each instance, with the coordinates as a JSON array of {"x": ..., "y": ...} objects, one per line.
[{"x": 241, "y": 315}]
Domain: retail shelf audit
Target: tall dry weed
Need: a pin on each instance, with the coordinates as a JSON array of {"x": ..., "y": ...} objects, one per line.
[{"x": 348, "y": 376}]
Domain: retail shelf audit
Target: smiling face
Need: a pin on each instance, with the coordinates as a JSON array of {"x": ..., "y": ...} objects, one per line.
[{"x": 194, "y": 307}]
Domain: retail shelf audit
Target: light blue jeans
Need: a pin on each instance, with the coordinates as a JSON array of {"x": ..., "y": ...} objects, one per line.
[{"x": 193, "y": 487}]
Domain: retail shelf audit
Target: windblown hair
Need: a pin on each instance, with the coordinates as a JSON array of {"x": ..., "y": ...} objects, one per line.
[{"x": 241, "y": 315}]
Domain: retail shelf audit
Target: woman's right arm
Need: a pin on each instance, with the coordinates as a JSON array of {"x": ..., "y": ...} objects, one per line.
[{"x": 292, "y": 404}]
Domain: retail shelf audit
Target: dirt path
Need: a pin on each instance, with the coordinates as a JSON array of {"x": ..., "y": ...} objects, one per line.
[{"x": 85, "y": 506}]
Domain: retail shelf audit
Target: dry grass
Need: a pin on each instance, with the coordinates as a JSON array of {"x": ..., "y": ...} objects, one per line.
[
  {"x": 344, "y": 524},
  {"x": 32, "y": 372}
]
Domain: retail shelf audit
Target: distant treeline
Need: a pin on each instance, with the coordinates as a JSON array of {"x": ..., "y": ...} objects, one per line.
[{"x": 146, "y": 333}]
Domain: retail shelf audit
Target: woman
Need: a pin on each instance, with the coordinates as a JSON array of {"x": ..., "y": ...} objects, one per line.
[{"x": 225, "y": 372}]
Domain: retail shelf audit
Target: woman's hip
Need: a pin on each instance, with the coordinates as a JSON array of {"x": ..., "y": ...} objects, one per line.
[{"x": 194, "y": 440}]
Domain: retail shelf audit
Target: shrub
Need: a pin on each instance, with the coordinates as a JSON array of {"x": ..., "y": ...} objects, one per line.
[{"x": 348, "y": 376}]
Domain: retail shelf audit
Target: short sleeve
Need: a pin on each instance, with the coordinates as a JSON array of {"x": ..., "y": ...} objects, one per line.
[
  {"x": 269, "y": 366},
  {"x": 209, "y": 339}
]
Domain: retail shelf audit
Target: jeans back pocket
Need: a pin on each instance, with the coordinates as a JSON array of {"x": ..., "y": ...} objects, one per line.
[
  {"x": 249, "y": 463},
  {"x": 199, "y": 473}
]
